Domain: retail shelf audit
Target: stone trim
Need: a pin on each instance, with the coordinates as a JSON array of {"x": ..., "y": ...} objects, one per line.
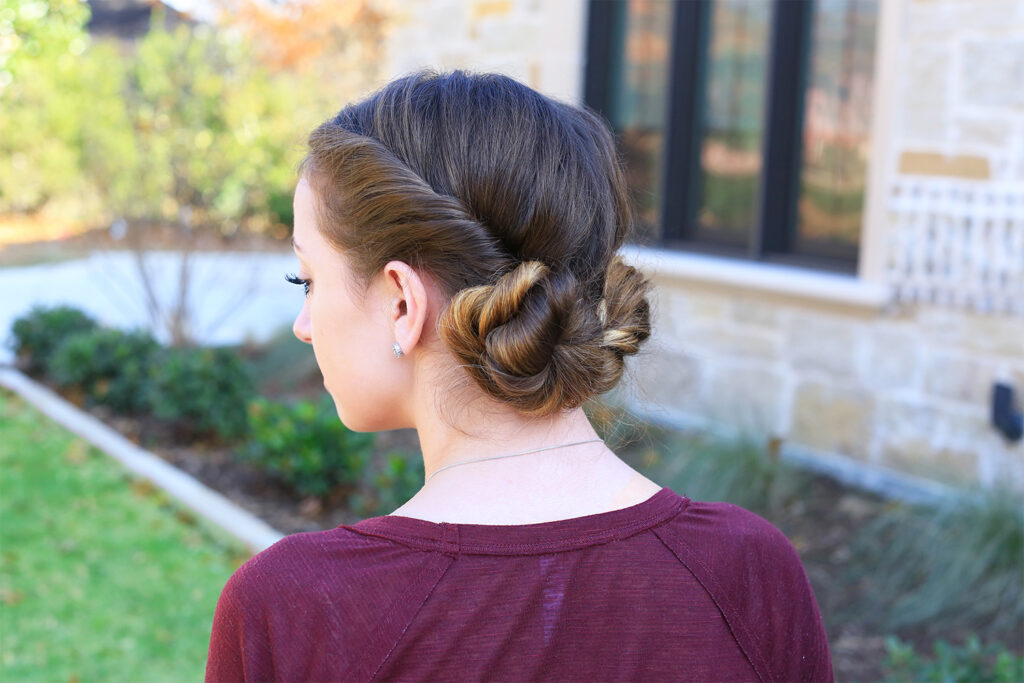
[{"x": 788, "y": 281}]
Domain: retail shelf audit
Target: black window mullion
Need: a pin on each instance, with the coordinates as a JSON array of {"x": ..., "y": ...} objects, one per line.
[
  {"x": 603, "y": 59},
  {"x": 686, "y": 105},
  {"x": 784, "y": 110}
]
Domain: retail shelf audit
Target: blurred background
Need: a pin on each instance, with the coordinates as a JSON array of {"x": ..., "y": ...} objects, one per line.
[{"x": 830, "y": 200}]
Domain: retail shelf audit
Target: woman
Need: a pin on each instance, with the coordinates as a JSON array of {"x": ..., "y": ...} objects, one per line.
[{"x": 457, "y": 239}]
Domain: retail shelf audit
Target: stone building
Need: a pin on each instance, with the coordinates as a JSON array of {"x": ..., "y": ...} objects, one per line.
[{"x": 832, "y": 202}]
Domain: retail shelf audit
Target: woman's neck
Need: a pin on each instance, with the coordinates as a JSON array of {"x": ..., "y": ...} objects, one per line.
[{"x": 564, "y": 482}]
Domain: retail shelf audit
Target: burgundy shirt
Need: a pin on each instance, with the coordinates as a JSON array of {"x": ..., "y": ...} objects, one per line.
[{"x": 667, "y": 589}]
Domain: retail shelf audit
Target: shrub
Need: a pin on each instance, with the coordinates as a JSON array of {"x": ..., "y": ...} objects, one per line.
[
  {"x": 967, "y": 663},
  {"x": 203, "y": 390},
  {"x": 110, "y": 365},
  {"x": 400, "y": 479},
  {"x": 38, "y": 333},
  {"x": 306, "y": 445}
]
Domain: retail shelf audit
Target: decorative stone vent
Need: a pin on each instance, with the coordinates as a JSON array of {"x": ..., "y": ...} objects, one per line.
[{"x": 957, "y": 243}]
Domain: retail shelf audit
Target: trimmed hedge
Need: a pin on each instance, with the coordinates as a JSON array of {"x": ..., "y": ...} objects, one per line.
[
  {"x": 202, "y": 390},
  {"x": 306, "y": 445},
  {"x": 110, "y": 365},
  {"x": 36, "y": 335}
]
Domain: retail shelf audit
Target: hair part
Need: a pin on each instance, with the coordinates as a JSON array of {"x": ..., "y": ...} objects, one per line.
[{"x": 514, "y": 204}]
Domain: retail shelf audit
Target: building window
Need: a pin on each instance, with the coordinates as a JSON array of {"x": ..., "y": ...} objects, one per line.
[{"x": 744, "y": 124}]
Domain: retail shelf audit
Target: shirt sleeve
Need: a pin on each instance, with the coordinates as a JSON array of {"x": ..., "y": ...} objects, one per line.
[
  {"x": 239, "y": 643},
  {"x": 755, "y": 576},
  {"x": 799, "y": 648}
]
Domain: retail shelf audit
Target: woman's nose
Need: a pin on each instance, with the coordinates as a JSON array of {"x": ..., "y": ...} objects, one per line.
[{"x": 300, "y": 328}]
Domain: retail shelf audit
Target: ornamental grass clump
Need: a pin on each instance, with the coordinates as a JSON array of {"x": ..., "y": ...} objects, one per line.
[
  {"x": 954, "y": 567},
  {"x": 739, "y": 471}
]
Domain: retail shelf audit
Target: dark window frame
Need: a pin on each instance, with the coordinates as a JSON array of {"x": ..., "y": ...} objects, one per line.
[{"x": 773, "y": 239}]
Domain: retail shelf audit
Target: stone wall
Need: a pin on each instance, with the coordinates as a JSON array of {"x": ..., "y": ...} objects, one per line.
[
  {"x": 960, "y": 98},
  {"x": 538, "y": 42},
  {"x": 906, "y": 388}
]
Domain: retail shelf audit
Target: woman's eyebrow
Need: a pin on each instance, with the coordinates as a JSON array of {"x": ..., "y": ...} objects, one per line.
[{"x": 295, "y": 245}]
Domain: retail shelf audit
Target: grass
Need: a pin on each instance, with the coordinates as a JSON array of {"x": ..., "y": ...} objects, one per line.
[{"x": 100, "y": 578}]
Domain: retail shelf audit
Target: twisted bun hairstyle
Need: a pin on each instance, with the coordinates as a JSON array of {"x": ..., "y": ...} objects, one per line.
[{"x": 515, "y": 204}]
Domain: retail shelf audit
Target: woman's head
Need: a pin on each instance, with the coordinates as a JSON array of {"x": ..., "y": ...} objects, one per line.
[{"x": 511, "y": 205}]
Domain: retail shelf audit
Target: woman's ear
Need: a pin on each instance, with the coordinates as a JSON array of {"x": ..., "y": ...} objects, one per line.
[{"x": 408, "y": 303}]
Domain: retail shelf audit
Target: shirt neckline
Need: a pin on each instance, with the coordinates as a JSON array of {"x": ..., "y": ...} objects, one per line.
[{"x": 526, "y": 539}]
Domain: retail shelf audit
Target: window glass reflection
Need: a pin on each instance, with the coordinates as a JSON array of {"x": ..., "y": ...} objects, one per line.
[
  {"x": 733, "y": 119},
  {"x": 639, "y": 101},
  {"x": 836, "y": 126}
]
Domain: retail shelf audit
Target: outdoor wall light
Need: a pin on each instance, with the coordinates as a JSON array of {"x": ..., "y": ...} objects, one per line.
[{"x": 1005, "y": 417}]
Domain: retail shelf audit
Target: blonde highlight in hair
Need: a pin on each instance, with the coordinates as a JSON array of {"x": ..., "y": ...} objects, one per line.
[{"x": 515, "y": 204}]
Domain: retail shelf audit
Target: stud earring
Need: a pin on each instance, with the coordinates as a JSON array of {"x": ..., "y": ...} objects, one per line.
[{"x": 397, "y": 350}]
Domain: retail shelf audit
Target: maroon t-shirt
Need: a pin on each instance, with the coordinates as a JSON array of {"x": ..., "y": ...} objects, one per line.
[{"x": 667, "y": 589}]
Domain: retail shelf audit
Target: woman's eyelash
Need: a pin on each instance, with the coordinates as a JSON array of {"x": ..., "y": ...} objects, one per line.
[{"x": 296, "y": 280}]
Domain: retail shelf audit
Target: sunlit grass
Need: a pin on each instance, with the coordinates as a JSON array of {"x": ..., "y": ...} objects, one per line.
[{"x": 100, "y": 579}]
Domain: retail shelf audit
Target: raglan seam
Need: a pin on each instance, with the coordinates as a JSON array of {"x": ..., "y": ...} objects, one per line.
[
  {"x": 745, "y": 640},
  {"x": 409, "y": 623}
]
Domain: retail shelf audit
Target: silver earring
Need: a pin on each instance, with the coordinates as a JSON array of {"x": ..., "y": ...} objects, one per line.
[{"x": 397, "y": 350}]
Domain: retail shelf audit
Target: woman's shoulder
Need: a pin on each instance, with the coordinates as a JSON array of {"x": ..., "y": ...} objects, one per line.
[
  {"x": 321, "y": 562},
  {"x": 727, "y": 528},
  {"x": 732, "y": 545},
  {"x": 754, "y": 574}
]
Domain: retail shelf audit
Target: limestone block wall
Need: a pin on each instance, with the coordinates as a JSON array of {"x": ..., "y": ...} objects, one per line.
[
  {"x": 906, "y": 388},
  {"x": 539, "y": 42},
  {"x": 959, "y": 85}
]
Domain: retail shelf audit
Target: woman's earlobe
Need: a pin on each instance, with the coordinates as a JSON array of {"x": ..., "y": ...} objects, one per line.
[{"x": 409, "y": 308}]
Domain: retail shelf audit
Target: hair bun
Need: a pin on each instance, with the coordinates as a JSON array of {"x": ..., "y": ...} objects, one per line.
[
  {"x": 514, "y": 336},
  {"x": 531, "y": 339},
  {"x": 626, "y": 313}
]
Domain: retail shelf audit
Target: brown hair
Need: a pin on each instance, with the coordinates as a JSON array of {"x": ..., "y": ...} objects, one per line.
[{"x": 514, "y": 203}]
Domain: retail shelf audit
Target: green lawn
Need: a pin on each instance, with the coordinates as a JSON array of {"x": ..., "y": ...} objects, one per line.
[{"x": 100, "y": 578}]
